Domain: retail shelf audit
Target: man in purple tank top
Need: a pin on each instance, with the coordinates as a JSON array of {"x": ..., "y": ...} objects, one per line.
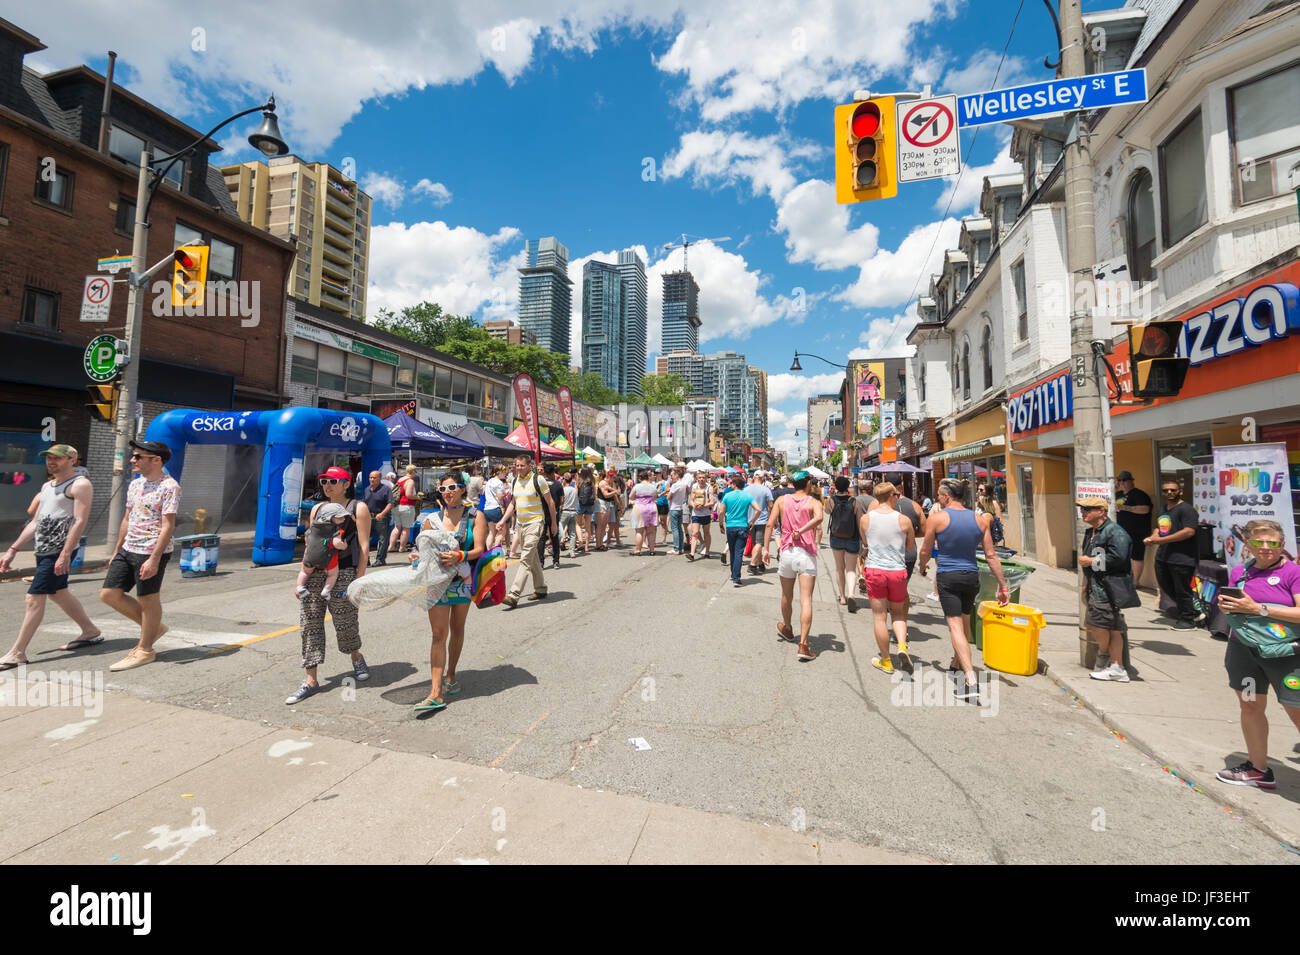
[{"x": 959, "y": 533}]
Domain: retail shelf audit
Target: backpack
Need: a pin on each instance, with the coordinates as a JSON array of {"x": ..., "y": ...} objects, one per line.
[
  {"x": 586, "y": 495},
  {"x": 844, "y": 519}
]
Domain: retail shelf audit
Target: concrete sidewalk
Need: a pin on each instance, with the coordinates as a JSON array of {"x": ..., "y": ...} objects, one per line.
[
  {"x": 236, "y": 545},
  {"x": 1178, "y": 710},
  {"x": 131, "y": 781}
]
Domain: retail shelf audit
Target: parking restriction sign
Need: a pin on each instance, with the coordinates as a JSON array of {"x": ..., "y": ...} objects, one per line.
[
  {"x": 96, "y": 299},
  {"x": 928, "y": 144}
]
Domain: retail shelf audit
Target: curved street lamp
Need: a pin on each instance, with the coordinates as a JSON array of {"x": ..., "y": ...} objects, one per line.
[
  {"x": 268, "y": 141},
  {"x": 798, "y": 367}
]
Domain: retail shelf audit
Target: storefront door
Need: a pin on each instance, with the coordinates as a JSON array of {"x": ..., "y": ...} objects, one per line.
[{"x": 1027, "y": 543}]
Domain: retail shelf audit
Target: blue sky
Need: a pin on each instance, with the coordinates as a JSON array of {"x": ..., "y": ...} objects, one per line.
[{"x": 479, "y": 124}]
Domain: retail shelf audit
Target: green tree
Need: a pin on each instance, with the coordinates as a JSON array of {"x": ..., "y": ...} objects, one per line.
[
  {"x": 664, "y": 389},
  {"x": 591, "y": 388},
  {"x": 426, "y": 324}
]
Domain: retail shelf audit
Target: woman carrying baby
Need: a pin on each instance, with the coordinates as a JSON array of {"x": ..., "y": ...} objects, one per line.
[{"x": 447, "y": 616}]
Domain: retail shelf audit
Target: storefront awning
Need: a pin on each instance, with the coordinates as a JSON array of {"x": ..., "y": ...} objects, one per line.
[{"x": 969, "y": 450}]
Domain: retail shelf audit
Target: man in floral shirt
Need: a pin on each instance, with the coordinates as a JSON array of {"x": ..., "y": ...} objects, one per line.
[{"x": 144, "y": 543}]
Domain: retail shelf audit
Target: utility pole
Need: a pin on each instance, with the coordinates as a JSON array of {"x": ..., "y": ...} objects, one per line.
[
  {"x": 129, "y": 386},
  {"x": 1090, "y": 461}
]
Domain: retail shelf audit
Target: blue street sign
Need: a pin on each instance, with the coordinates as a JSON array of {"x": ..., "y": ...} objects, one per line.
[{"x": 1056, "y": 96}]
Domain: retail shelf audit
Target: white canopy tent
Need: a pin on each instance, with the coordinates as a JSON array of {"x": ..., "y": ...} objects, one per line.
[
  {"x": 816, "y": 472},
  {"x": 698, "y": 465},
  {"x": 663, "y": 460}
]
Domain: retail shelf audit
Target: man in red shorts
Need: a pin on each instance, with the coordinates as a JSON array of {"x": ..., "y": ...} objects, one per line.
[{"x": 887, "y": 536}]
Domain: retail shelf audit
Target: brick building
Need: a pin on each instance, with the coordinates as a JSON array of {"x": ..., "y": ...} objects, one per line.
[{"x": 67, "y": 197}]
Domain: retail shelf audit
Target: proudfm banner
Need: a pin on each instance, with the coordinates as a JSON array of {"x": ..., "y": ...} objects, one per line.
[
  {"x": 566, "y": 415},
  {"x": 526, "y": 399},
  {"x": 1253, "y": 482}
]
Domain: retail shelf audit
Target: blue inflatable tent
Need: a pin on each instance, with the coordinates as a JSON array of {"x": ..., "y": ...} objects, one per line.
[{"x": 285, "y": 434}]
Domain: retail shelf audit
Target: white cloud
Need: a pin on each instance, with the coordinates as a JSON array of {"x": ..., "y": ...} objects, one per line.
[
  {"x": 788, "y": 386},
  {"x": 716, "y": 157},
  {"x": 463, "y": 270},
  {"x": 817, "y": 228},
  {"x": 887, "y": 337},
  {"x": 888, "y": 278},
  {"x": 734, "y": 56},
  {"x": 384, "y": 188},
  {"x": 981, "y": 72},
  {"x": 436, "y": 191}
]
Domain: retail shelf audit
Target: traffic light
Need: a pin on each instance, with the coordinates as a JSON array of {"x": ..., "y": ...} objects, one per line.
[
  {"x": 189, "y": 275},
  {"x": 866, "y": 151},
  {"x": 103, "y": 401},
  {"x": 1157, "y": 370}
]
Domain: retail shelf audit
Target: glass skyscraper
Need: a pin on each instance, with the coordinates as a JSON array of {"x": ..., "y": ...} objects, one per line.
[
  {"x": 632, "y": 269},
  {"x": 545, "y": 300},
  {"x": 605, "y": 324},
  {"x": 681, "y": 313}
]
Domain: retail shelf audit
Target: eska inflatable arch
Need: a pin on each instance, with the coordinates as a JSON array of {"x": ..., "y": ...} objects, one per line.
[{"x": 285, "y": 435}]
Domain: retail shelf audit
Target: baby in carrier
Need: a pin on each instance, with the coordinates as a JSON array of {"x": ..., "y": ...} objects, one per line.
[{"x": 324, "y": 539}]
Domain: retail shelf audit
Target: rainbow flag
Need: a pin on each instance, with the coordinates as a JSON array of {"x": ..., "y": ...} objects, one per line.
[
  {"x": 338, "y": 286},
  {"x": 490, "y": 578}
]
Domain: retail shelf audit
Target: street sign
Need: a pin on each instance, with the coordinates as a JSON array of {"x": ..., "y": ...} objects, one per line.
[
  {"x": 115, "y": 263},
  {"x": 928, "y": 144},
  {"x": 1055, "y": 96},
  {"x": 100, "y": 359},
  {"x": 96, "y": 299}
]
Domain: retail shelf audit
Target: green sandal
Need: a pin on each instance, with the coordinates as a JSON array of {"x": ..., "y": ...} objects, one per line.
[
  {"x": 429, "y": 705},
  {"x": 452, "y": 687}
]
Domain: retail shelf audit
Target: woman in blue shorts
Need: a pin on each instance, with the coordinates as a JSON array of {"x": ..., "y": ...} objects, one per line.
[{"x": 447, "y": 616}]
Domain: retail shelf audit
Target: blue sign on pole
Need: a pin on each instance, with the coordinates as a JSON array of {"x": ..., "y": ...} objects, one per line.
[{"x": 1056, "y": 96}]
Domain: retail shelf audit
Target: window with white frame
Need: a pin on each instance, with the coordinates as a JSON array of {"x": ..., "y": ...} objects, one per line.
[
  {"x": 1182, "y": 180},
  {"x": 1141, "y": 216},
  {"x": 1022, "y": 304},
  {"x": 1266, "y": 134}
]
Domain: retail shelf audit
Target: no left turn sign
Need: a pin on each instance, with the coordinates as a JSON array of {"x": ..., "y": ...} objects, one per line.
[
  {"x": 96, "y": 299},
  {"x": 928, "y": 144}
]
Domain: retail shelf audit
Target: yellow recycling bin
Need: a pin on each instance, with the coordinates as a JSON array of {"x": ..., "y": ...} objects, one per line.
[{"x": 1011, "y": 637}]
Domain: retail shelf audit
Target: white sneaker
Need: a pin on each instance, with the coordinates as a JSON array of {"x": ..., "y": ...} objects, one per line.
[{"x": 1115, "y": 673}]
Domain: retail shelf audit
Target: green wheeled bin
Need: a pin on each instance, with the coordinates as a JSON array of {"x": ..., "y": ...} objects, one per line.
[{"x": 1015, "y": 573}]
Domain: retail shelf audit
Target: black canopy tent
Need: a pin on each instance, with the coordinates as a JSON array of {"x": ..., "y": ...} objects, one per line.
[{"x": 492, "y": 445}]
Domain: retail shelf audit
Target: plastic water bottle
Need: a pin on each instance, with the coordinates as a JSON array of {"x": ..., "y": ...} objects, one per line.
[{"x": 290, "y": 499}]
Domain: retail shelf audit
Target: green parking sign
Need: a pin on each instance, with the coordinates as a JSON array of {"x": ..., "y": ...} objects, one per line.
[{"x": 100, "y": 360}]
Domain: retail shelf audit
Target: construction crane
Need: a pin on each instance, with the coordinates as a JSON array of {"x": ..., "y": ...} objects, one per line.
[{"x": 686, "y": 244}]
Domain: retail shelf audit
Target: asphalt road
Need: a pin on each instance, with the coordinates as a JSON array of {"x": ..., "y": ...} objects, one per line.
[{"x": 668, "y": 651}]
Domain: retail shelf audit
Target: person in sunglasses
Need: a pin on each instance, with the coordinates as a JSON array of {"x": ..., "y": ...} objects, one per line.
[
  {"x": 353, "y": 559},
  {"x": 1105, "y": 553},
  {"x": 1175, "y": 538},
  {"x": 1269, "y": 583},
  {"x": 447, "y": 616},
  {"x": 144, "y": 545}
]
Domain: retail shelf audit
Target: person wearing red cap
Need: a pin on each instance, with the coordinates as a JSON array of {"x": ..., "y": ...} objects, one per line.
[{"x": 352, "y": 561}]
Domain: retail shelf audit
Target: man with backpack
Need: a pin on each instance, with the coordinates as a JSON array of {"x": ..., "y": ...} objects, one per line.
[{"x": 531, "y": 503}]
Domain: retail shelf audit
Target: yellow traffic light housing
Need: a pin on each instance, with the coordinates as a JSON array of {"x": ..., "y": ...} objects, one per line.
[
  {"x": 866, "y": 151},
  {"x": 1157, "y": 370},
  {"x": 103, "y": 401},
  {"x": 189, "y": 276}
]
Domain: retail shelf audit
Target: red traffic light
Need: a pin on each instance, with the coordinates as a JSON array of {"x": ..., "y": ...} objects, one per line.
[
  {"x": 185, "y": 260},
  {"x": 1159, "y": 339},
  {"x": 866, "y": 120}
]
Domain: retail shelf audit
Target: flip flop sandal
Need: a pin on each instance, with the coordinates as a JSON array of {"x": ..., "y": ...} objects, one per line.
[
  {"x": 12, "y": 666},
  {"x": 80, "y": 644},
  {"x": 452, "y": 687},
  {"x": 429, "y": 705}
]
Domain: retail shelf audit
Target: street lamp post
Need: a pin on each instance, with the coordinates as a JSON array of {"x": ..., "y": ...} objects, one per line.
[
  {"x": 795, "y": 366},
  {"x": 266, "y": 139}
]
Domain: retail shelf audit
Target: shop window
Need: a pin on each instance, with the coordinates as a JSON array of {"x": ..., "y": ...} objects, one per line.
[
  {"x": 1141, "y": 228},
  {"x": 443, "y": 383},
  {"x": 40, "y": 309},
  {"x": 331, "y": 365},
  {"x": 458, "y": 388},
  {"x": 1266, "y": 135},
  {"x": 406, "y": 372},
  {"x": 383, "y": 375},
  {"x": 54, "y": 187},
  {"x": 1182, "y": 180},
  {"x": 303, "y": 366},
  {"x": 1176, "y": 458},
  {"x": 1022, "y": 303},
  {"x": 424, "y": 378},
  {"x": 474, "y": 392}
]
